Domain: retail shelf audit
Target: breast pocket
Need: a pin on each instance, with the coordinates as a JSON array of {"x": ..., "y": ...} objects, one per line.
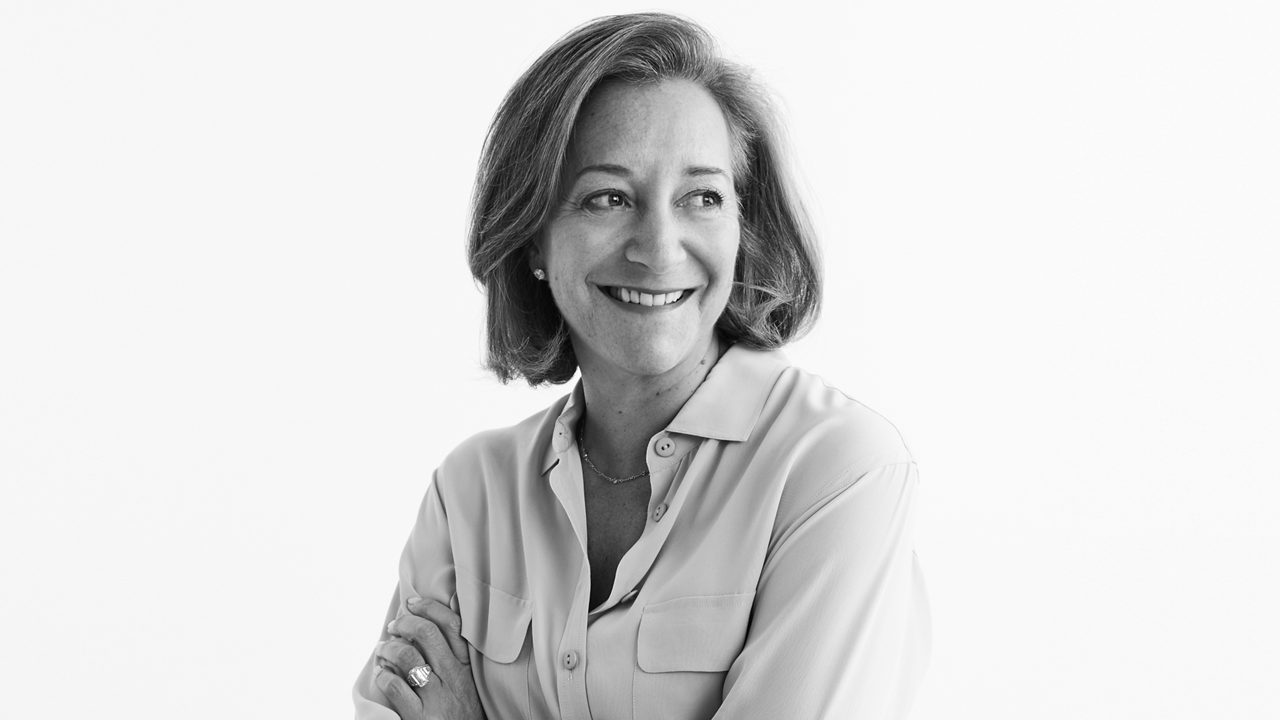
[
  {"x": 496, "y": 624},
  {"x": 683, "y": 651}
]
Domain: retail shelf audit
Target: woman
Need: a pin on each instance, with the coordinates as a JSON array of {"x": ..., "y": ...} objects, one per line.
[{"x": 698, "y": 529}]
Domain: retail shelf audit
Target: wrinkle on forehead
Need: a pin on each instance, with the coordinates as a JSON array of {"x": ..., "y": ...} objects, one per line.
[{"x": 639, "y": 118}]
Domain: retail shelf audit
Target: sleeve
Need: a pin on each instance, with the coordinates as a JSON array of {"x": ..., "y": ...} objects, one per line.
[
  {"x": 840, "y": 627},
  {"x": 426, "y": 570}
]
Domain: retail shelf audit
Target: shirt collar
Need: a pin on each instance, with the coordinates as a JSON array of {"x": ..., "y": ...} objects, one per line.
[
  {"x": 728, "y": 403},
  {"x": 725, "y": 407},
  {"x": 563, "y": 427}
]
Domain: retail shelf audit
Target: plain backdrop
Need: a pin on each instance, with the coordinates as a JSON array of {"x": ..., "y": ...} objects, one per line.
[{"x": 237, "y": 332}]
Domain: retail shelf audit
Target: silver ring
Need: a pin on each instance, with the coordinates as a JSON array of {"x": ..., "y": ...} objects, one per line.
[{"x": 419, "y": 676}]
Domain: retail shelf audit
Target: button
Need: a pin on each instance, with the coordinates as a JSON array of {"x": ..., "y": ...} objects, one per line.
[
  {"x": 666, "y": 447},
  {"x": 659, "y": 511},
  {"x": 570, "y": 660},
  {"x": 561, "y": 441},
  {"x": 629, "y": 596}
]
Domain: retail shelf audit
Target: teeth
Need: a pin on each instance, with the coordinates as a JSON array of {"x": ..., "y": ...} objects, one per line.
[{"x": 646, "y": 299}]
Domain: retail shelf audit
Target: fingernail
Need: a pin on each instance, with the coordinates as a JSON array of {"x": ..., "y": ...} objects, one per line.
[
  {"x": 391, "y": 626},
  {"x": 415, "y": 601}
]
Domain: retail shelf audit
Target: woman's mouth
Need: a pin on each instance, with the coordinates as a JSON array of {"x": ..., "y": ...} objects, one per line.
[{"x": 645, "y": 298}]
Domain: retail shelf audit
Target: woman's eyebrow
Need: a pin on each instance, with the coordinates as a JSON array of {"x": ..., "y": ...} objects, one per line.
[
  {"x": 697, "y": 170},
  {"x": 608, "y": 168},
  {"x": 622, "y": 171}
]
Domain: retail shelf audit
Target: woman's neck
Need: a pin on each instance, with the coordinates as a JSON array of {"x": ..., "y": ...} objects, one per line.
[{"x": 623, "y": 412}]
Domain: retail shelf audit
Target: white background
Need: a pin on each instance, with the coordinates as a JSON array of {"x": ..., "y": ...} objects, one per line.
[{"x": 237, "y": 331}]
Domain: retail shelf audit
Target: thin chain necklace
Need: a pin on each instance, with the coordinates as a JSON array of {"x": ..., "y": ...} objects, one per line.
[{"x": 582, "y": 449}]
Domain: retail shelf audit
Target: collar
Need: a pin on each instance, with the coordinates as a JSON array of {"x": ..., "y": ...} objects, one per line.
[
  {"x": 728, "y": 403},
  {"x": 726, "y": 406}
]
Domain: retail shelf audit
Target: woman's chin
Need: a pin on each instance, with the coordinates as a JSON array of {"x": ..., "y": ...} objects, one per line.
[
  {"x": 653, "y": 359},
  {"x": 649, "y": 367}
]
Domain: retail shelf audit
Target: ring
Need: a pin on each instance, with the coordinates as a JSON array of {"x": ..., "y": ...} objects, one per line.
[{"x": 419, "y": 676}]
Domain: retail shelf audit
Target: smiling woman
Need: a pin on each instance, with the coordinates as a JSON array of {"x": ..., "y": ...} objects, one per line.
[
  {"x": 640, "y": 254},
  {"x": 698, "y": 529}
]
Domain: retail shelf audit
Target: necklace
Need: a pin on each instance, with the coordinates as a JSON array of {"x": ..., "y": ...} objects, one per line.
[{"x": 582, "y": 449}]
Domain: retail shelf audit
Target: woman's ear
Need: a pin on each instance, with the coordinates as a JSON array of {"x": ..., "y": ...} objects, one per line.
[{"x": 533, "y": 255}]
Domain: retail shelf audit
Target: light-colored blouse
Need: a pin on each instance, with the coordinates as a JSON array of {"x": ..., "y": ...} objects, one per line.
[{"x": 775, "y": 576}]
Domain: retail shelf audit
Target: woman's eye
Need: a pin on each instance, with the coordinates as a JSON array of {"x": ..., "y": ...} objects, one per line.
[
  {"x": 706, "y": 199},
  {"x": 606, "y": 201}
]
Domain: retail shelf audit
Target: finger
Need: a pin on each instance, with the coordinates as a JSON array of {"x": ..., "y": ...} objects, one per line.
[
  {"x": 447, "y": 621},
  {"x": 431, "y": 643},
  {"x": 402, "y": 697},
  {"x": 400, "y": 655}
]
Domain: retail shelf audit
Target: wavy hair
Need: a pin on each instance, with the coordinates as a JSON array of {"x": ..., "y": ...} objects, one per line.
[{"x": 777, "y": 282}]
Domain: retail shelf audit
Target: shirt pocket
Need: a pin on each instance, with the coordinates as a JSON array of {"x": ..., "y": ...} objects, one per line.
[
  {"x": 496, "y": 624},
  {"x": 684, "y": 648}
]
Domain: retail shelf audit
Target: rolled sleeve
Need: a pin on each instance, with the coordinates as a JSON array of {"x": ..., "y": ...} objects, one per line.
[{"x": 841, "y": 626}]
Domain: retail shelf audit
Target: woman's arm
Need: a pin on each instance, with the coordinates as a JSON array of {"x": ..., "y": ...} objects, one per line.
[
  {"x": 426, "y": 570},
  {"x": 840, "y": 627}
]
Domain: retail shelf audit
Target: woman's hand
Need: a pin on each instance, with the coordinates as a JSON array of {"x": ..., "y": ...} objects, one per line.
[{"x": 430, "y": 635}]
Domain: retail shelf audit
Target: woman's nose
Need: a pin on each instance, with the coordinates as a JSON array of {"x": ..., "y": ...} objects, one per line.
[{"x": 657, "y": 241}]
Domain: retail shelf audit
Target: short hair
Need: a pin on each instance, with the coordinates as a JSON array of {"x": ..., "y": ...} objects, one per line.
[{"x": 777, "y": 281}]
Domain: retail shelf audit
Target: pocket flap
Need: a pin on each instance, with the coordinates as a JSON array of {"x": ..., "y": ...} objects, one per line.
[
  {"x": 493, "y": 621},
  {"x": 702, "y": 633}
]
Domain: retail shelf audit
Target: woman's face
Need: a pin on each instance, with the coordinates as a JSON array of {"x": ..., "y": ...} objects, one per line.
[{"x": 640, "y": 252}]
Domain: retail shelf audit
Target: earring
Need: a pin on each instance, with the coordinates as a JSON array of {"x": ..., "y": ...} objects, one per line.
[{"x": 540, "y": 273}]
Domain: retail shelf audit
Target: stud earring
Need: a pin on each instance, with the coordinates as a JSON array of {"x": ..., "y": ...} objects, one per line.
[{"x": 540, "y": 273}]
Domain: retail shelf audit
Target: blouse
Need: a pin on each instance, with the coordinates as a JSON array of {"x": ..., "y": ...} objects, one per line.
[{"x": 774, "y": 578}]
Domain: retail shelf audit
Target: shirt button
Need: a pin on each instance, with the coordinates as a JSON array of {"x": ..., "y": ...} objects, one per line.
[
  {"x": 659, "y": 511},
  {"x": 666, "y": 447},
  {"x": 570, "y": 660}
]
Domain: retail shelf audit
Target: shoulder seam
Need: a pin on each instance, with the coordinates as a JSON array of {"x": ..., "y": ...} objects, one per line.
[{"x": 826, "y": 499}]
